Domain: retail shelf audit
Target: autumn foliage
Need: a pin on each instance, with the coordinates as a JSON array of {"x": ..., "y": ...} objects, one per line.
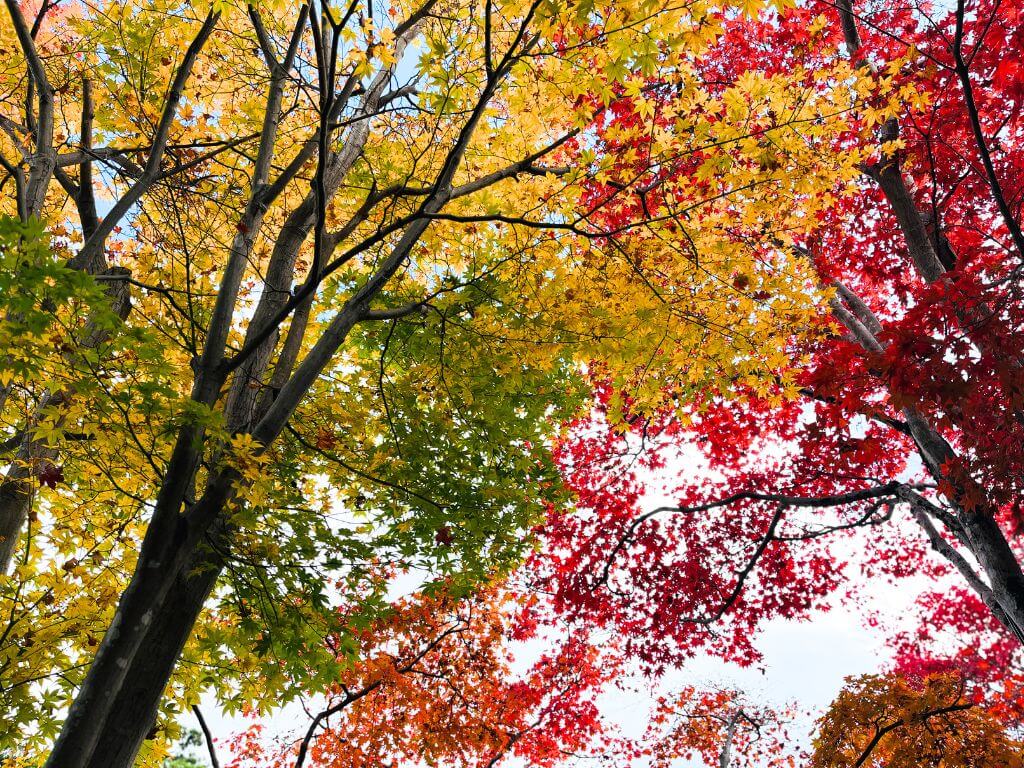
[
  {"x": 605, "y": 333},
  {"x": 438, "y": 681},
  {"x": 900, "y": 430},
  {"x": 890, "y": 721}
]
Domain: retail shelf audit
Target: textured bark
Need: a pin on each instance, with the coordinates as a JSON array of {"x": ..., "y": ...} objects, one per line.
[
  {"x": 919, "y": 244},
  {"x": 15, "y": 502},
  {"x": 132, "y": 717},
  {"x": 173, "y": 543},
  {"x": 981, "y": 532},
  {"x": 1005, "y": 578}
]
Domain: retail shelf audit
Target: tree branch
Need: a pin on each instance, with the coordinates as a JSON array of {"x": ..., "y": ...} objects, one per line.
[
  {"x": 888, "y": 490},
  {"x": 85, "y": 198},
  {"x": 207, "y": 736},
  {"x": 43, "y": 160},
  {"x": 91, "y": 253}
]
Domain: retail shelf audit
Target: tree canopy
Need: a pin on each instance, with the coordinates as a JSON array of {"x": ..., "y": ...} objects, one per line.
[{"x": 343, "y": 346}]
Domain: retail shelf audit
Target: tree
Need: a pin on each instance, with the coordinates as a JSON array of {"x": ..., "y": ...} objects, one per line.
[
  {"x": 884, "y": 720},
  {"x": 184, "y": 758},
  {"x": 894, "y": 722},
  {"x": 292, "y": 308},
  {"x": 719, "y": 727},
  {"x": 907, "y": 401}
]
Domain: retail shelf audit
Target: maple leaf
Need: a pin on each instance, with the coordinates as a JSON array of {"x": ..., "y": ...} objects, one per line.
[
  {"x": 50, "y": 475},
  {"x": 443, "y": 536}
]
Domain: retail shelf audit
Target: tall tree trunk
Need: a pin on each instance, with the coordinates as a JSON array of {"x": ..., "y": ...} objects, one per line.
[
  {"x": 984, "y": 538},
  {"x": 1000, "y": 564},
  {"x": 132, "y": 716},
  {"x": 126, "y": 665}
]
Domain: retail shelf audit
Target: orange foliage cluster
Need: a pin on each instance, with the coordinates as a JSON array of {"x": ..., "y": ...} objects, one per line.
[
  {"x": 439, "y": 681},
  {"x": 897, "y": 722}
]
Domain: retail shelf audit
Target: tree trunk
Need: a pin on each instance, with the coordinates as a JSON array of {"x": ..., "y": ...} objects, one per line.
[
  {"x": 16, "y": 487},
  {"x": 985, "y": 540},
  {"x": 131, "y": 718},
  {"x": 901, "y": 202},
  {"x": 15, "y": 502},
  {"x": 989, "y": 546},
  {"x": 142, "y": 643}
]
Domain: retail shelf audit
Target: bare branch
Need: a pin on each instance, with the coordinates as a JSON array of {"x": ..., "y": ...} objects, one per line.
[
  {"x": 43, "y": 160},
  {"x": 207, "y": 736},
  {"x": 922, "y": 717},
  {"x": 91, "y": 254},
  {"x": 394, "y": 313},
  {"x": 351, "y": 697},
  {"x": 85, "y": 199},
  {"x": 266, "y": 47},
  {"x": 857, "y": 329},
  {"x": 888, "y": 490}
]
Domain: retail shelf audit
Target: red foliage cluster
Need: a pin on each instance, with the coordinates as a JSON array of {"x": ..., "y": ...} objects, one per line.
[
  {"x": 668, "y": 583},
  {"x": 915, "y": 401}
]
